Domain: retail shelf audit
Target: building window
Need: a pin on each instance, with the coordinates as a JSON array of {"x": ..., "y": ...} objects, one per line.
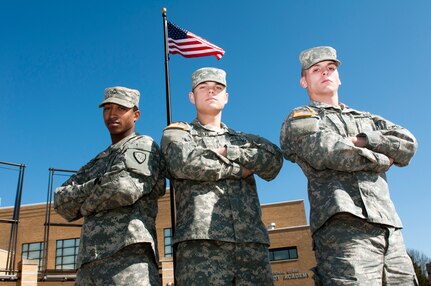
[
  {"x": 283, "y": 253},
  {"x": 167, "y": 234},
  {"x": 65, "y": 257},
  {"x": 33, "y": 251}
]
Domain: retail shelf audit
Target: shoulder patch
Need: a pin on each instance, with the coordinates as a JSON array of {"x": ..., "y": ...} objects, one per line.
[
  {"x": 303, "y": 112},
  {"x": 138, "y": 161},
  {"x": 178, "y": 125}
]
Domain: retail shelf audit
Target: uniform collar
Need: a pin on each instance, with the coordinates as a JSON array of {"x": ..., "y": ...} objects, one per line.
[
  {"x": 115, "y": 147},
  {"x": 120, "y": 143},
  {"x": 340, "y": 106},
  {"x": 223, "y": 128}
]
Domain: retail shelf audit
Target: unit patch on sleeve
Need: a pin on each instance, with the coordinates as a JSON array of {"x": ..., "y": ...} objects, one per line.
[
  {"x": 138, "y": 161},
  {"x": 140, "y": 156}
]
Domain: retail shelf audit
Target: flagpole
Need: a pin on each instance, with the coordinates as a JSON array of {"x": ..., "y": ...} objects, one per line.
[
  {"x": 168, "y": 121},
  {"x": 168, "y": 88}
]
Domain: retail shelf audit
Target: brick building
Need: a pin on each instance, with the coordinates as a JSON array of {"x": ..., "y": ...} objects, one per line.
[{"x": 46, "y": 245}]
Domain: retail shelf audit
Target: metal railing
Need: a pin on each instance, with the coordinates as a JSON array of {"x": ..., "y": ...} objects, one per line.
[
  {"x": 45, "y": 273},
  {"x": 10, "y": 272}
]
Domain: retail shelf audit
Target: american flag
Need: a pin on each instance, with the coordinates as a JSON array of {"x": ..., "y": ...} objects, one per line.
[{"x": 190, "y": 45}]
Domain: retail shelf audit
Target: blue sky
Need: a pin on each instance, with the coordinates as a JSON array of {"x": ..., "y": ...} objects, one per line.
[{"x": 57, "y": 57}]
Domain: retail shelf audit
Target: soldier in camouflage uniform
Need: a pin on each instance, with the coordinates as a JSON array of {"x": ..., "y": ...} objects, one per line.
[
  {"x": 117, "y": 194},
  {"x": 219, "y": 234},
  {"x": 345, "y": 153}
]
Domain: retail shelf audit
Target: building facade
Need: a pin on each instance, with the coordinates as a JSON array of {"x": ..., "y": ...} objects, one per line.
[{"x": 47, "y": 245}]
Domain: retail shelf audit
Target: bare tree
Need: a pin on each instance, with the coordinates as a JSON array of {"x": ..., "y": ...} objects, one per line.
[{"x": 420, "y": 261}]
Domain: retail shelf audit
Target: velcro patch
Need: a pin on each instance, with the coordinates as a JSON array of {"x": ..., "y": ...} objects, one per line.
[
  {"x": 138, "y": 161},
  {"x": 304, "y": 126}
]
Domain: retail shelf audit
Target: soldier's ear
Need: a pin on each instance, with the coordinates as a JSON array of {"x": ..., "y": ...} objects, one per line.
[
  {"x": 136, "y": 115},
  {"x": 192, "y": 97},
  {"x": 303, "y": 82}
]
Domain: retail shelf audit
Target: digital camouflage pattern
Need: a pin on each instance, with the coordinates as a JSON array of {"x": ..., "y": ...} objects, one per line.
[
  {"x": 117, "y": 194},
  {"x": 345, "y": 179},
  {"x": 212, "y": 200},
  {"x": 342, "y": 257},
  {"x": 342, "y": 177},
  {"x": 222, "y": 263},
  {"x": 123, "y": 96},
  {"x": 208, "y": 74},
  {"x": 133, "y": 265},
  {"x": 312, "y": 56}
]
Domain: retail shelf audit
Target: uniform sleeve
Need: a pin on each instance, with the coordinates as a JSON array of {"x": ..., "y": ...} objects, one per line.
[
  {"x": 302, "y": 138},
  {"x": 392, "y": 140},
  {"x": 257, "y": 154},
  {"x": 69, "y": 197},
  {"x": 140, "y": 172},
  {"x": 186, "y": 160}
]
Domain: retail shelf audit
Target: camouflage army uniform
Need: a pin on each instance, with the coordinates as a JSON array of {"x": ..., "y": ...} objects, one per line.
[
  {"x": 347, "y": 185},
  {"x": 215, "y": 206},
  {"x": 117, "y": 194}
]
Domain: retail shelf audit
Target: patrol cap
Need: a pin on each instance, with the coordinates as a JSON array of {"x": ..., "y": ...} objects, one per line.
[
  {"x": 208, "y": 74},
  {"x": 122, "y": 96},
  {"x": 312, "y": 56}
]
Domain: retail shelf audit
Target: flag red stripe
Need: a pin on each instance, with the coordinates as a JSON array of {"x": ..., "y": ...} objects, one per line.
[
  {"x": 192, "y": 48},
  {"x": 196, "y": 55},
  {"x": 196, "y": 51},
  {"x": 184, "y": 44},
  {"x": 203, "y": 51}
]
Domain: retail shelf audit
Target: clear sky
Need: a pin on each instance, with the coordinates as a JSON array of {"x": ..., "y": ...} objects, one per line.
[{"x": 57, "y": 57}]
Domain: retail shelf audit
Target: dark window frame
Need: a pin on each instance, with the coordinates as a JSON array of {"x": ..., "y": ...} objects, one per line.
[
  {"x": 167, "y": 242},
  {"x": 26, "y": 252},
  {"x": 66, "y": 252},
  {"x": 285, "y": 253}
]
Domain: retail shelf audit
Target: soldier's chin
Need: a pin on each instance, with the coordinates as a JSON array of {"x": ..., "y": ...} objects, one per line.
[{"x": 115, "y": 130}]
